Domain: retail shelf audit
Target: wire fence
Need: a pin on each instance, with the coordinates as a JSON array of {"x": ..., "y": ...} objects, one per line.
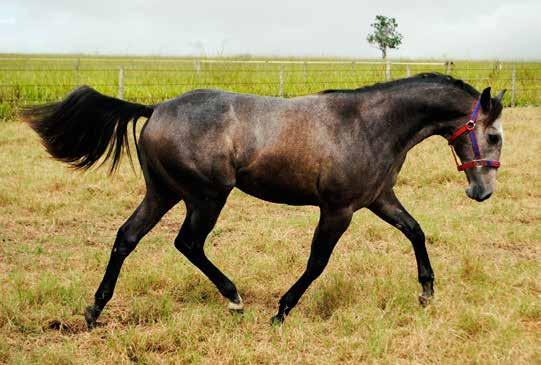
[{"x": 31, "y": 80}]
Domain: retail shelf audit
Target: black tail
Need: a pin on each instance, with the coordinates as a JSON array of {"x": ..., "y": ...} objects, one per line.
[{"x": 84, "y": 126}]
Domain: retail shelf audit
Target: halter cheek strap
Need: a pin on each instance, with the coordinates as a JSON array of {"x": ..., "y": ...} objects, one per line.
[{"x": 469, "y": 128}]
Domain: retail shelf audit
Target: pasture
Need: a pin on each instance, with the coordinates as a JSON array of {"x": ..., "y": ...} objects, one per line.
[{"x": 58, "y": 227}]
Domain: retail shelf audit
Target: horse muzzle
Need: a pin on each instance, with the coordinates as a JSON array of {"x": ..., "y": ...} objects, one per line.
[{"x": 478, "y": 193}]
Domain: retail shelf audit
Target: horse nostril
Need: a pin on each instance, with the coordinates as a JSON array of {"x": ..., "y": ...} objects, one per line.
[{"x": 485, "y": 196}]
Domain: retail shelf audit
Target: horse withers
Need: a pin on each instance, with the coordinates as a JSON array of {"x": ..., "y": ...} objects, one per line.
[{"x": 340, "y": 150}]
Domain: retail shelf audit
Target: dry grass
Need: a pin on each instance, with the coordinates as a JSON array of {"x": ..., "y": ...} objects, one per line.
[{"x": 57, "y": 228}]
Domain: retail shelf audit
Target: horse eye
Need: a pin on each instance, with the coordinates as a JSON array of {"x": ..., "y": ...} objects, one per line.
[{"x": 493, "y": 138}]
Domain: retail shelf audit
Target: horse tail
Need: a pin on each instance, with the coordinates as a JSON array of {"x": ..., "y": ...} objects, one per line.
[{"x": 86, "y": 125}]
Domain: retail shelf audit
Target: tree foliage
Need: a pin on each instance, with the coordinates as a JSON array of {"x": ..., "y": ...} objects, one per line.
[{"x": 385, "y": 35}]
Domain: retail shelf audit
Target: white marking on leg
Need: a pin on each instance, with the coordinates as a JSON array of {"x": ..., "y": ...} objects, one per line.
[{"x": 236, "y": 306}]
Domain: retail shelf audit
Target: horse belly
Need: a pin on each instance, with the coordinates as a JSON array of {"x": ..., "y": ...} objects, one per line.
[{"x": 279, "y": 184}]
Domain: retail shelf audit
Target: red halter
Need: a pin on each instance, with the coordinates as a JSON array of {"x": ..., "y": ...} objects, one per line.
[{"x": 469, "y": 128}]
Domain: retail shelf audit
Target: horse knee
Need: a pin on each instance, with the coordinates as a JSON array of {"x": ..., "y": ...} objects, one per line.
[{"x": 413, "y": 231}]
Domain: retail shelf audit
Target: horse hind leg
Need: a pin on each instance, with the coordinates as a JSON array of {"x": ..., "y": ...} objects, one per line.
[
  {"x": 145, "y": 217},
  {"x": 331, "y": 226},
  {"x": 200, "y": 219}
]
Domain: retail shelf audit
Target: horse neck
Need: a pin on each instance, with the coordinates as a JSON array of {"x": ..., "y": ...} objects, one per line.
[{"x": 418, "y": 115}]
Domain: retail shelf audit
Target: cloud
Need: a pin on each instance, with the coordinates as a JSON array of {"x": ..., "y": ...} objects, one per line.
[
  {"x": 8, "y": 21},
  {"x": 459, "y": 29}
]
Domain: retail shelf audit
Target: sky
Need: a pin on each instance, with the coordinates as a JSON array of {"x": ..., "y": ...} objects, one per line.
[{"x": 459, "y": 29}]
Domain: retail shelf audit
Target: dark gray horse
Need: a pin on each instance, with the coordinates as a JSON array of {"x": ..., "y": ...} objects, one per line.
[{"x": 340, "y": 150}]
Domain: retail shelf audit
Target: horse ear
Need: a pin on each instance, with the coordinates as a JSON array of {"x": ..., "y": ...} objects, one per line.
[
  {"x": 485, "y": 100},
  {"x": 500, "y": 95}
]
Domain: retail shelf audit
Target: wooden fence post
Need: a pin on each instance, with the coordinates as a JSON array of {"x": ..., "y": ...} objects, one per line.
[
  {"x": 282, "y": 80},
  {"x": 197, "y": 66},
  {"x": 121, "y": 82},
  {"x": 408, "y": 72},
  {"x": 513, "y": 85},
  {"x": 448, "y": 67},
  {"x": 388, "y": 71},
  {"x": 76, "y": 69}
]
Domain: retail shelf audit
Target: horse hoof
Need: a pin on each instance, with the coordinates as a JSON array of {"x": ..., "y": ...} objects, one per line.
[
  {"x": 236, "y": 308},
  {"x": 277, "y": 320},
  {"x": 424, "y": 300},
  {"x": 91, "y": 315}
]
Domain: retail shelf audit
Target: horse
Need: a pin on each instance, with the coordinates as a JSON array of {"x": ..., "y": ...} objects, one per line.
[{"x": 339, "y": 150}]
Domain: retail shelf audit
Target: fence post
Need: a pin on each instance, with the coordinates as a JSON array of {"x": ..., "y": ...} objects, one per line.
[
  {"x": 513, "y": 85},
  {"x": 282, "y": 80},
  {"x": 408, "y": 72},
  {"x": 121, "y": 82},
  {"x": 388, "y": 71},
  {"x": 304, "y": 65},
  {"x": 76, "y": 69},
  {"x": 197, "y": 66},
  {"x": 448, "y": 67}
]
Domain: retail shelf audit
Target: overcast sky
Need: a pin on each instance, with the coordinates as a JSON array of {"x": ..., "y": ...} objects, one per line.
[{"x": 459, "y": 29}]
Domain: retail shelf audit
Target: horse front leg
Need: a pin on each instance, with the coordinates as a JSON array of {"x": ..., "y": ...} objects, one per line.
[{"x": 388, "y": 208}]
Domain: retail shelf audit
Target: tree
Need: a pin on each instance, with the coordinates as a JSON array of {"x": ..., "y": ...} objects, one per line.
[{"x": 385, "y": 35}]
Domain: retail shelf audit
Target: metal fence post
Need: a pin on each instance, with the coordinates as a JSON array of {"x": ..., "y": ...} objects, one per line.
[
  {"x": 513, "y": 85},
  {"x": 388, "y": 71},
  {"x": 281, "y": 80},
  {"x": 121, "y": 82}
]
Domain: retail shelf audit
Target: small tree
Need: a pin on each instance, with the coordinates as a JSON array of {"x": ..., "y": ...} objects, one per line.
[{"x": 385, "y": 35}]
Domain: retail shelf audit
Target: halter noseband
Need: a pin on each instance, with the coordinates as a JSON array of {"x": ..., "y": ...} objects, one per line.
[{"x": 469, "y": 128}]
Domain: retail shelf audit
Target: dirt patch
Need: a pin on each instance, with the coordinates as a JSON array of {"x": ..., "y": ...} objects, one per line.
[{"x": 68, "y": 327}]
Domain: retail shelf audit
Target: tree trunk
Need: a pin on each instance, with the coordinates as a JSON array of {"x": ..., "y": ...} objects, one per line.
[{"x": 384, "y": 53}]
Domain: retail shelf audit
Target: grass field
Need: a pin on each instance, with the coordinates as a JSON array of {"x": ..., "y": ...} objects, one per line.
[
  {"x": 57, "y": 228},
  {"x": 33, "y": 79}
]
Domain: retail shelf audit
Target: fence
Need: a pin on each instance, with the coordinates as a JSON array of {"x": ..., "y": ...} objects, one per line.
[{"x": 28, "y": 80}]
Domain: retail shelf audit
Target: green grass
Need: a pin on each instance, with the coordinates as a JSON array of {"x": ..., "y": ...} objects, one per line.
[
  {"x": 38, "y": 79},
  {"x": 58, "y": 227}
]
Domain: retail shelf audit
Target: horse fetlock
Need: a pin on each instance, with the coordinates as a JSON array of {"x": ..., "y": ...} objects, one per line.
[{"x": 428, "y": 286}]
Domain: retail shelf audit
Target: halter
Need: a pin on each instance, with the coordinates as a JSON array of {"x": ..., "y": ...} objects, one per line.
[{"x": 469, "y": 128}]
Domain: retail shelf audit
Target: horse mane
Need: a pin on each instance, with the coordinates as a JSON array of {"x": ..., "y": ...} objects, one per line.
[{"x": 427, "y": 77}]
